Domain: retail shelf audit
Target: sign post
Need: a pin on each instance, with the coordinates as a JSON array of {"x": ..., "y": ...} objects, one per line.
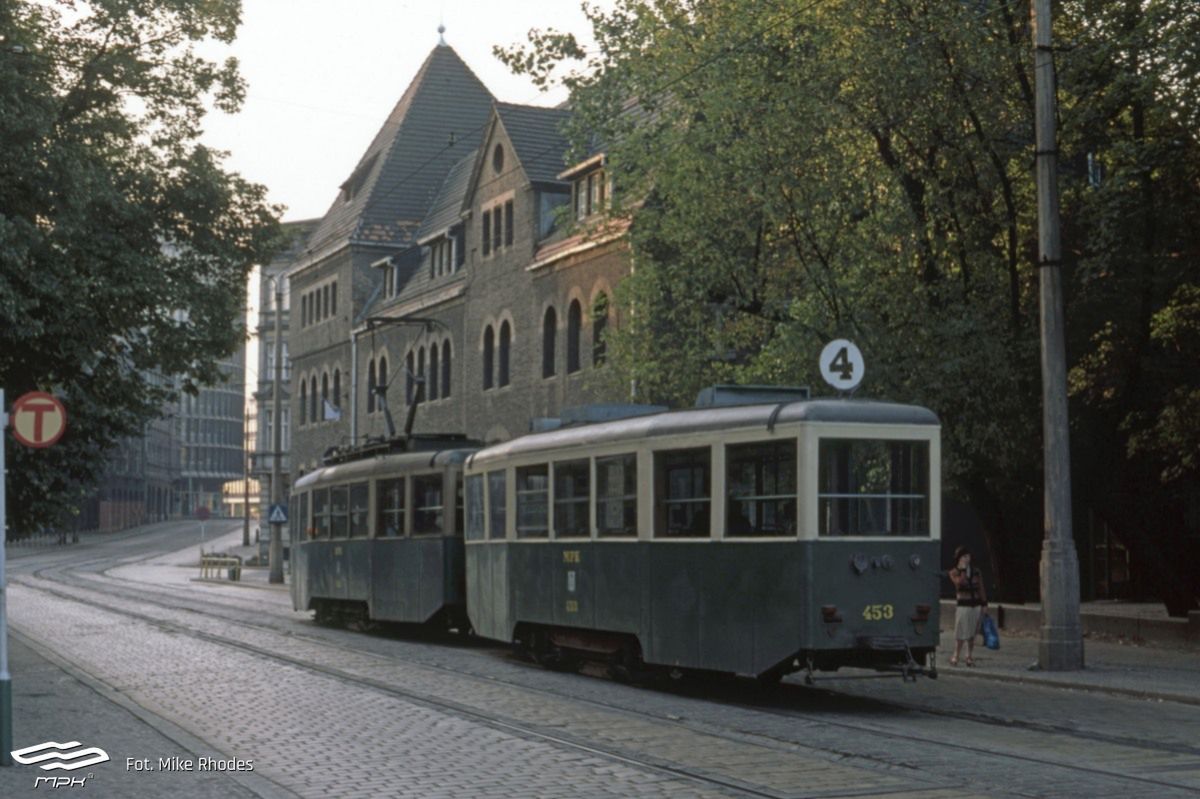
[
  {"x": 6, "y": 731},
  {"x": 38, "y": 420},
  {"x": 202, "y": 515}
]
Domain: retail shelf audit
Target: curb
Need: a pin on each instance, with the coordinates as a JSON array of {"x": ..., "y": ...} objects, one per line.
[
  {"x": 255, "y": 783},
  {"x": 977, "y": 674}
]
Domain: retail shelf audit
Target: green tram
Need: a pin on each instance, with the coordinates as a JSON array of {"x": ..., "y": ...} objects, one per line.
[
  {"x": 753, "y": 539},
  {"x": 377, "y": 534}
]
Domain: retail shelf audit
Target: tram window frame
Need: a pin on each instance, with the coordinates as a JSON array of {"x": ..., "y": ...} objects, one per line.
[
  {"x": 886, "y": 504},
  {"x": 360, "y": 509},
  {"x": 783, "y": 454},
  {"x": 339, "y": 517},
  {"x": 497, "y": 504},
  {"x": 423, "y": 514},
  {"x": 321, "y": 513},
  {"x": 606, "y": 499},
  {"x": 459, "y": 505},
  {"x": 528, "y": 501},
  {"x": 476, "y": 508},
  {"x": 575, "y": 504},
  {"x": 676, "y": 460},
  {"x": 386, "y": 511}
]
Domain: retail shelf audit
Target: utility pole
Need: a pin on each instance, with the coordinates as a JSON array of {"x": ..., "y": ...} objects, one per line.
[
  {"x": 6, "y": 707},
  {"x": 275, "y": 574},
  {"x": 1060, "y": 644},
  {"x": 245, "y": 473}
]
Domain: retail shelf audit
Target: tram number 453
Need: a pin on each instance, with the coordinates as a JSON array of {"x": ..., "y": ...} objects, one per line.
[{"x": 878, "y": 612}]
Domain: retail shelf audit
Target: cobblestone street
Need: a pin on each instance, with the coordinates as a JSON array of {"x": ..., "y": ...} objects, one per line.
[{"x": 120, "y": 647}]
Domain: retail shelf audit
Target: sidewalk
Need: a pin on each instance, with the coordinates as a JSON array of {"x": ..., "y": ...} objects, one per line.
[
  {"x": 1126, "y": 669},
  {"x": 53, "y": 701}
]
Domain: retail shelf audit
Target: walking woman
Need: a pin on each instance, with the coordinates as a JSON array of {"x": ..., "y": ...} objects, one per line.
[{"x": 972, "y": 603}]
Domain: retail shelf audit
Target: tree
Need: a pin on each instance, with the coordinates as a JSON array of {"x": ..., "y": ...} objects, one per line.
[
  {"x": 124, "y": 243},
  {"x": 795, "y": 171}
]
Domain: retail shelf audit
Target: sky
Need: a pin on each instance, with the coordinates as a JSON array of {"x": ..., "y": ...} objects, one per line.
[{"x": 322, "y": 77}]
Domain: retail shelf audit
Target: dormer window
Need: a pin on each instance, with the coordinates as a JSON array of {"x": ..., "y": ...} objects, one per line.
[
  {"x": 441, "y": 256},
  {"x": 590, "y": 193}
]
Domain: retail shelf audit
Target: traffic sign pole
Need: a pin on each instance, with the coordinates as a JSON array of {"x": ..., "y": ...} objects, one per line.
[{"x": 6, "y": 730}]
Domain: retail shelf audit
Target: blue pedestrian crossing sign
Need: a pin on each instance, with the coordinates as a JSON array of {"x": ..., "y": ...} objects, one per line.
[{"x": 278, "y": 514}]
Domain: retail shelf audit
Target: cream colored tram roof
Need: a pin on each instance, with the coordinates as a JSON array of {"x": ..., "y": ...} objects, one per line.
[
  {"x": 365, "y": 469},
  {"x": 710, "y": 420}
]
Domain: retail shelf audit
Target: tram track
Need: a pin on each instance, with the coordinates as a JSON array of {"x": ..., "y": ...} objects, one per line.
[
  {"x": 102, "y": 583},
  {"x": 786, "y": 691}
]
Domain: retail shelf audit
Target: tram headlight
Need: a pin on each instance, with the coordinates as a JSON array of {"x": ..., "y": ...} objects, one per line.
[{"x": 914, "y": 561}]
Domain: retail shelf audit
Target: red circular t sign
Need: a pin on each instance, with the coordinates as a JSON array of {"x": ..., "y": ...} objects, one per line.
[
  {"x": 202, "y": 514},
  {"x": 38, "y": 419}
]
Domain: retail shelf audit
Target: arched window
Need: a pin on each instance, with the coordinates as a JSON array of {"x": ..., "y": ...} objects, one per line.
[
  {"x": 599, "y": 328},
  {"x": 446, "y": 368},
  {"x": 337, "y": 388},
  {"x": 303, "y": 402},
  {"x": 324, "y": 393},
  {"x": 381, "y": 383},
  {"x": 432, "y": 380},
  {"x": 409, "y": 383},
  {"x": 371, "y": 386},
  {"x": 489, "y": 346},
  {"x": 574, "y": 323},
  {"x": 421, "y": 373},
  {"x": 312, "y": 400},
  {"x": 549, "y": 334},
  {"x": 505, "y": 344}
]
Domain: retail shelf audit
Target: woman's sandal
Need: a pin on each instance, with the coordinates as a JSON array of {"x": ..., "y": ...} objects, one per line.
[
  {"x": 970, "y": 662},
  {"x": 953, "y": 661}
]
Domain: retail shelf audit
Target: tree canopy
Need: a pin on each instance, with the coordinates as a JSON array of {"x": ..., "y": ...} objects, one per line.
[
  {"x": 124, "y": 243},
  {"x": 797, "y": 171}
]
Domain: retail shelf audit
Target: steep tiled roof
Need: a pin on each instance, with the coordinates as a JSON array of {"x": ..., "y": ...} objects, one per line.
[
  {"x": 389, "y": 192},
  {"x": 536, "y": 135},
  {"x": 447, "y": 206}
]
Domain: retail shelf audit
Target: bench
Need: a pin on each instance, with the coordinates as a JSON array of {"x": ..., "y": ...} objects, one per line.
[{"x": 212, "y": 565}]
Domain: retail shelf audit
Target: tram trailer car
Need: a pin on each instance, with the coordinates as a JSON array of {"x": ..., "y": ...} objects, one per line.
[
  {"x": 380, "y": 537},
  {"x": 750, "y": 539}
]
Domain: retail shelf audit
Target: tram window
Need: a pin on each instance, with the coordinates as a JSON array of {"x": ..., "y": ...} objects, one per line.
[
  {"x": 760, "y": 481},
  {"x": 571, "y": 494},
  {"x": 339, "y": 511},
  {"x": 872, "y": 487},
  {"x": 306, "y": 529},
  {"x": 320, "y": 503},
  {"x": 389, "y": 518},
  {"x": 533, "y": 486},
  {"x": 475, "y": 514},
  {"x": 496, "y": 504},
  {"x": 616, "y": 496},
  {"x": 358, "y": 510},
  {"x": 682, "y": 483},
  {"x": 427, "y": 504}
]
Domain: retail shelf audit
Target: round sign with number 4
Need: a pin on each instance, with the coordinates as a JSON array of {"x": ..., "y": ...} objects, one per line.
[{"x": 842, "y": 364}]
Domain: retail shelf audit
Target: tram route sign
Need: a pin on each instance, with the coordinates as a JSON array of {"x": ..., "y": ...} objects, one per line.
[
  {"x": 842, "y": 364},
  {"x": 38, "y": 419}
]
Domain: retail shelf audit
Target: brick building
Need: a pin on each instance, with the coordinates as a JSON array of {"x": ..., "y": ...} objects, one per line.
[{"x": 460, "y": 250}]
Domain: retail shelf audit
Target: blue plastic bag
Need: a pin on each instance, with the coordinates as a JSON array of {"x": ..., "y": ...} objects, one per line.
[{"x": 991, "y": 636}]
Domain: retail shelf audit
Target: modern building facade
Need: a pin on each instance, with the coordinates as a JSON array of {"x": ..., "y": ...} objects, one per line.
[{"x": 208, "y": 427}]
